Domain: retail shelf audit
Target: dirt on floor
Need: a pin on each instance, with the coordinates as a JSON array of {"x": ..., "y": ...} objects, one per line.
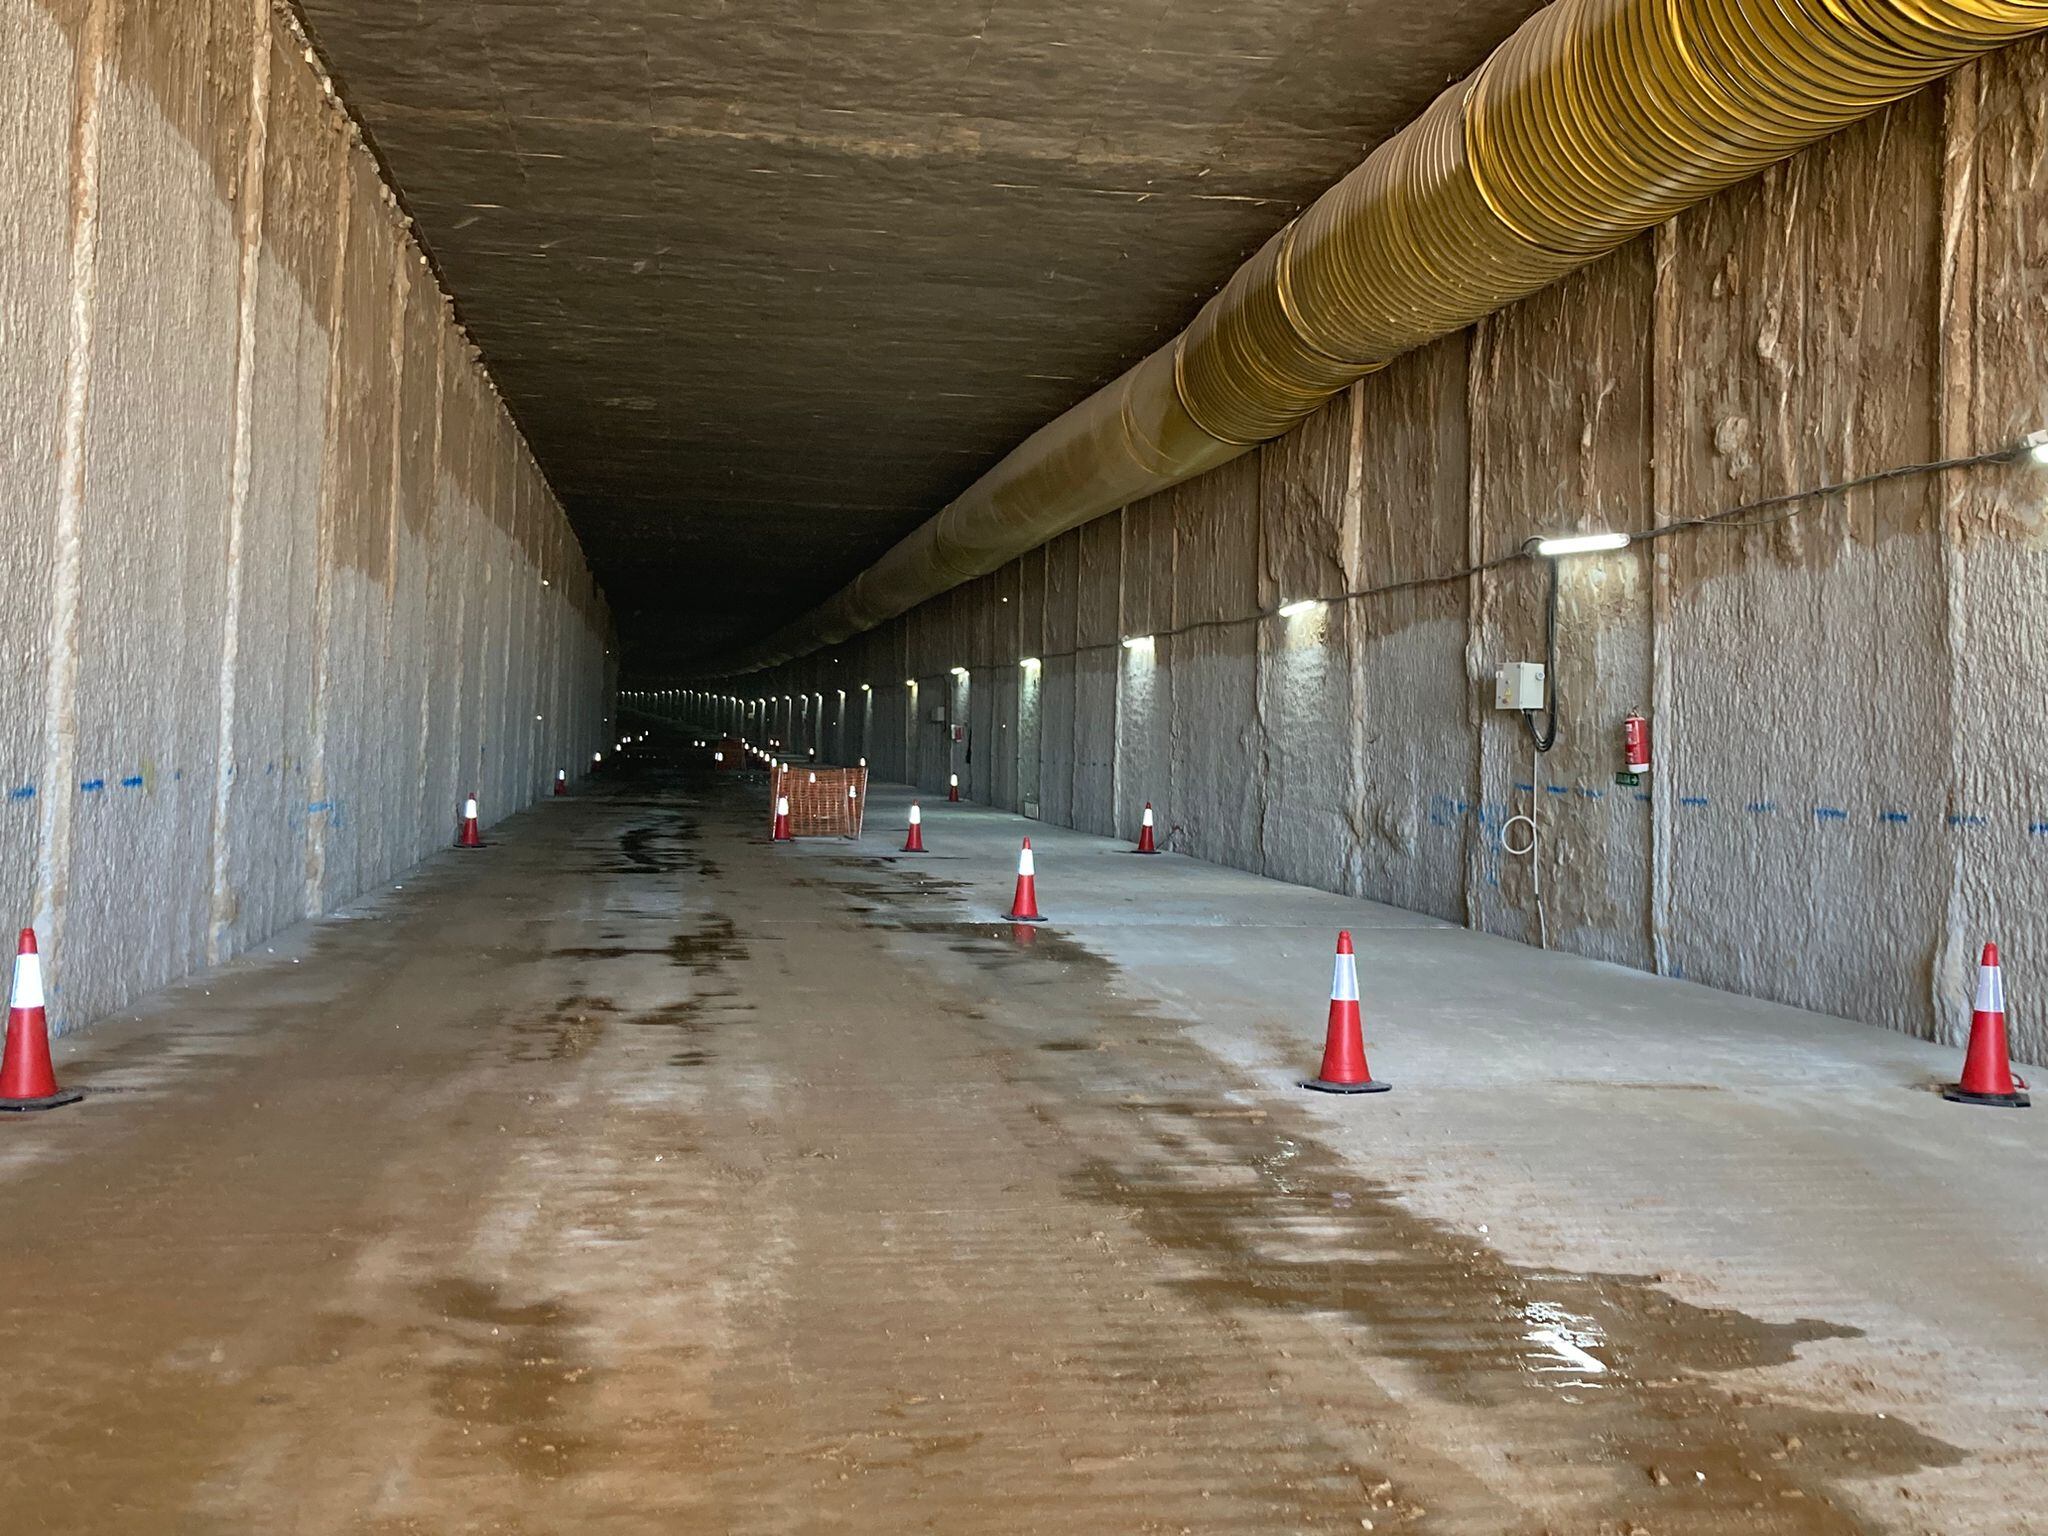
[{"x": 638, "y": 1176}]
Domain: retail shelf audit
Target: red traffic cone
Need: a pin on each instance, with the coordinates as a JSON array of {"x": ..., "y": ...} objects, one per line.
[
  {"x": 1344, "y": 1069},
  {"x": 470, "y": 837},
  {"x": 561, "y": 781},
  {"x": 781, "y": 829},
  {"x": 1987, "y": 1070},
  {"x": 1145, "y": 843},
  {"x": 914, "y": 843},
  {"x": 1024, "y": 906},
  {"x": 952, "y": 786},
  {"x": 26, "y": 1078}
]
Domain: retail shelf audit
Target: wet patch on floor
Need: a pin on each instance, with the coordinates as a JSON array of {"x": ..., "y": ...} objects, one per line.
[
  {"x": 1602, "y": 1383},
  {"x": 510, "y": 1383},
  {"x": 665, "y": 844},
  {"x": 564, "y": 1033},
  {"x": 704, "y": 948}
]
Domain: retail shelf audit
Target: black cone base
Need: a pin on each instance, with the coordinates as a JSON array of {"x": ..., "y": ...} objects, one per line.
[
  {"x": 1370, "y": 1085},
  {"x": 1955, "y": 1095},
  {"x": 56, "y": 1100}
]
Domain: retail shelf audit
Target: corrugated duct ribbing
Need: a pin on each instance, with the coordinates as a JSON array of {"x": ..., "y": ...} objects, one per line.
[{"x": 1597, "y": 120}]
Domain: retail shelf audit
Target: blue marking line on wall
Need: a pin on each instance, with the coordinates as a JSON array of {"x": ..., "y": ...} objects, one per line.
[
  {"x": 1829, "y": 813},
  {"x": 1525, "y": 788},
  {"x": 1643, "y": 795},
  {"x": 318, "y": 806},
  {"x": 22, "y": 792},
  {"x": 1694, "y": 800},
  {"x": 1763, "y": 807},
  {"x": 93, "y": 786},
  {"x": 1960, "y": 820},
  {"x": 1589, "y": 794},
  {"x": 2038, "y": 828},
  {"x": 1558, "y": 789},
  {"x": 133, "y": 781},
  {"x": 1896, "y": 818}
]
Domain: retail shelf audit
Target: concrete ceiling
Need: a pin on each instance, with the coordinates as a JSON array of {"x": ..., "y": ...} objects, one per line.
[{"x": 767, "y": 282}]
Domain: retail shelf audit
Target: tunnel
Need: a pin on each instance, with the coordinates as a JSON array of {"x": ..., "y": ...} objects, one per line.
[{"x": 1024, "y": 766}]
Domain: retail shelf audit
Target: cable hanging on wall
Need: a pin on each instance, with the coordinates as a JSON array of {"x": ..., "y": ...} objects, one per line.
[{"x": 2033, "y": 447}]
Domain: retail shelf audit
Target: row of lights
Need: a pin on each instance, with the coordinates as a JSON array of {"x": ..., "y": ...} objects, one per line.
[
  {"x": 2034, "y": 445},
  {"x": 1564, "y": 544}
]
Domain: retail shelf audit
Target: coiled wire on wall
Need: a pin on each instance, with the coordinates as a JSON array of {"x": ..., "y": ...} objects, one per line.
[
  {"x": 1541, "y": 740},
  {"x": 1596, "y": 120}
]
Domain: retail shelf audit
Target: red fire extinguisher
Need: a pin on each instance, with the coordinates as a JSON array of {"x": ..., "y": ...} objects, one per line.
[{"x": 1635, "y": 743}]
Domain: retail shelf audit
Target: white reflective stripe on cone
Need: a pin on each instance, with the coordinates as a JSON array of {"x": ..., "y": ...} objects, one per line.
[
  {"x": 952, "y": 779},
  {"x": 28, "y": 982},
  {"x": 469, "y": 810},
  {"x": 1024, "y": 863},
  {"x": 1344, "y": 984},
  {"x": 916, "y": 816},
  {"x": 1990, "y": 990},
  {"x": 849, "y": 792},
  {"x": 782, "y": 806},
  {"x": 1148, "y": 816}
]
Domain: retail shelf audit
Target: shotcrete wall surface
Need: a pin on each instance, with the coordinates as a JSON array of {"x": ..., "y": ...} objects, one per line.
[
  {"x": 1850, "y": 791},
  {"x": 282, "y": 580}
]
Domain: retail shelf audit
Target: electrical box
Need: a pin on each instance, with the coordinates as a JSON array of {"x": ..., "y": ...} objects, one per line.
[
  {"x": 1518, "y": 685},
  {"x": 938, "y": 714}
]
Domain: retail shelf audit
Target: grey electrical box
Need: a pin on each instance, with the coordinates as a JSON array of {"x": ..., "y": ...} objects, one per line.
[
  {"x": 938, "y": 714},
  {"x": 1518, "y": 685}
]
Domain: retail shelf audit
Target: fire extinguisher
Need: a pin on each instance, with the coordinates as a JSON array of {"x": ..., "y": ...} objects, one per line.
[{"x": 1635, "y": 743}]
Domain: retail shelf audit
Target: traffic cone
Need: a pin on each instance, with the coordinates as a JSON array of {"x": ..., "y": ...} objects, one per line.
[
  {"x": 1145, "y": 843},
  {"x": 781, "y": 832},
  {"x": 1024, "y": 906},
  {"x": 1987, "y": 1070},
  {"x": 915, "y": 842},
  {"x": 470, "y": 838},
  {"x": 953, "y": 786},
  {"x": 26, "y": 1079},
  {"x": 1344, "y": 1069},
  {"x": 561, "y": 781}
]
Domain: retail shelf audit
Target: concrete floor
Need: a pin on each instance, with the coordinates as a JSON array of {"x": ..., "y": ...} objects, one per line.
[{"x": 636, "y": 1175}]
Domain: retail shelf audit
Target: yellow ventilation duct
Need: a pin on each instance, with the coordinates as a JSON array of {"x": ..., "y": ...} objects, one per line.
[{"x": 1597, "y": 120}]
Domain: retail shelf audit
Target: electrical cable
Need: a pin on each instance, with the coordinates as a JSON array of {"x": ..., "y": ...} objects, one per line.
[
  {"x": 1546, "y": 738},
  {"x": 1793, "y": 503}
]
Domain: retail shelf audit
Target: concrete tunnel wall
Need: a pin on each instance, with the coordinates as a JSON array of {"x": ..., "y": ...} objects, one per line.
[
  {"x": 283, "y": 581},
  {"x": 1850, "y": 791}
]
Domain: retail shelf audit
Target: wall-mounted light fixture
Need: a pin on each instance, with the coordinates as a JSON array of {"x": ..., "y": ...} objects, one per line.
[
  {"x": 958, "y": 671},
  {"x": 1581, "y": 544},
  {"x": 1295, "y": 610},
  {"x": 1030, "y": 663},
  {"x": 867, "y": 687},
  {"x": 1137, "y": 642},
  {"x": 910, "y": 682},
  {"x": 2036, "y": 444}
]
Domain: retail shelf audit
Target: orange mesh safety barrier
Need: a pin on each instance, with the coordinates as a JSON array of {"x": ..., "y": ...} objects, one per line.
[{"x": 823, "y": 802}]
